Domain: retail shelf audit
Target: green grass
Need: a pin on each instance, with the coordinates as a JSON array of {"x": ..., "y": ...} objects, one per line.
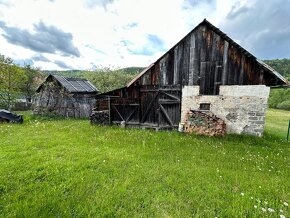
[{"x": 68, "y": 168}]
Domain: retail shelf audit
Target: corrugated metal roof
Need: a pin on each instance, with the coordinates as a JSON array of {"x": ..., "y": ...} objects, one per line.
[
  {"x": 76, "y": 84},
  {"x": 73, "y": 85}
]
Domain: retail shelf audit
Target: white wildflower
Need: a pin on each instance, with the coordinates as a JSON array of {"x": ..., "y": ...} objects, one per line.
[
  {"x": 286, "y": 204},
  {"x": 263, "y": 209},
  {"x": 242, "y": 193},
  {"x": 271, "y": 210},
  {"x": 282, "y": 216},
  {"x": 255, "y": 206},
  {"x": 281, "y": 211}
]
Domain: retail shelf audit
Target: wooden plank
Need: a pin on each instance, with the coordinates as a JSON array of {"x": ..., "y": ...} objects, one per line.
[
  {"x": 191, "y": 59},
  {"x": 166, "y": 101},
  {"x": 131, "y": 114},
  {"x": 118, "y": 113},
  {"x": 149, "y": 107},
  {"x": 217, "y": 79},
  {"x": 165, "y": 114},
  {"x": 170, "y": 95},
  {"x": 163, "y": 76},
  {"x": 170, "y": 67},
  {"x": 202, "y": 78},
  {"x": 241, "y": 77},
  {"x": 225, "y": 63},
  {"x": 185, "y": 61}
]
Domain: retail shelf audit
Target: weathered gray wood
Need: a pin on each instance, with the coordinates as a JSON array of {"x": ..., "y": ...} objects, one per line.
[
  {"x": 192, "y": 57},
  {"x": 149, "y": 107},
  {"x": 118, "y": 112},
  {"x": 241, "y": 78},
  {"x": 163, "y": 79},
  {"x": 202, "y": 77},
  {"x": 131, "y": 114},
  {"x": 225, "y": 63},
  {"x": 165, "y": 114}
]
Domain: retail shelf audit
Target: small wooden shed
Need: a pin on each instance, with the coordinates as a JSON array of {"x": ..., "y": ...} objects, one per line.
[
  {"x": 204, "y": 71},
  {"x": 67, "y": 97}
]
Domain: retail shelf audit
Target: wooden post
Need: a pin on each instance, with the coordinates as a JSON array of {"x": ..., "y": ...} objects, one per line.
[
  {"x": 288, "y": 131},
  {"x": 109, "y": 106}
]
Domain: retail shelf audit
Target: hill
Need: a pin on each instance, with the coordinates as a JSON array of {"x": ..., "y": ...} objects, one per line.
[
  {"x": 83, "y": 73},
  {"x": 282, "y": 66}
]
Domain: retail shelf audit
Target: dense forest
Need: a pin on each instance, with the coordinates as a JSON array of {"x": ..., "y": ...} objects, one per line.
[{"x": 21, "y": 82}]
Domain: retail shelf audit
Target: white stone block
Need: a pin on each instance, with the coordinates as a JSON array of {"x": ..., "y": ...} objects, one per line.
[{"x": 244, "y": 91}]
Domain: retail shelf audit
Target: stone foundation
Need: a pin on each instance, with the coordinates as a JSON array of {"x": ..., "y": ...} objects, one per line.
[{"x": 242, "y": 108}]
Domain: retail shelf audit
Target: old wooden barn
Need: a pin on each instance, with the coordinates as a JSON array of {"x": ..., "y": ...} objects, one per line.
[
  {"x": 205, "y": 71},
  {"x": 67, "y": 97}
]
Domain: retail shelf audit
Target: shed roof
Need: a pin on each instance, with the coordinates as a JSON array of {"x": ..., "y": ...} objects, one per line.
[
  {"x": 228, "y": 39},
  {"x": 73, "y": 85}
]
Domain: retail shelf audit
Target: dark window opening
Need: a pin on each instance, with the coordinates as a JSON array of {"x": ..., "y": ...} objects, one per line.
[{"x": 204, "y": 106}]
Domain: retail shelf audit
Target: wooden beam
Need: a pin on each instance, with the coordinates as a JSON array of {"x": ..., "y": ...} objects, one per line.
[
  {"x": 171, "y": 96},
  {"x": 225, "y": 63},
  {"x": 149, "y": 108},
  {"x": 165, "y": 114},
  {"x": 131, "y": 114},
  {"x": 118, "y": 113}
]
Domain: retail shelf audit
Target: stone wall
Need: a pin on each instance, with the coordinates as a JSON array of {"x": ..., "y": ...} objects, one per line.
[{"x": 242, "y": 108}]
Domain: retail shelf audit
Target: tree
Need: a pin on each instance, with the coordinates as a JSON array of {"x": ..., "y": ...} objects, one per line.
[
  {"x": 33, "y": 76},
  {"x": 11, "y": 79}
]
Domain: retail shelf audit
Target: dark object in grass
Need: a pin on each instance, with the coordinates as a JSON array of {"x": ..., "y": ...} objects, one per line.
[
  {"x": 100, "y": 117},
  {"x": 9, "y": 117}
]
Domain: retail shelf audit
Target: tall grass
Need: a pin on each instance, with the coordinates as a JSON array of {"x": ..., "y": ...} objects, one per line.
[{"x": 68, "y": 168}]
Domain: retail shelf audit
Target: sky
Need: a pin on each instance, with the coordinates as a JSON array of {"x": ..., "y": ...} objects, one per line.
[{"x": 89, "y": 34}]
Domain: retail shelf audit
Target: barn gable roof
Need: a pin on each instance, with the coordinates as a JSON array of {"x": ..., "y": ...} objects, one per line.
[
  {"x": 263, "y": 65},
  {"x": 73, "y": 85}
]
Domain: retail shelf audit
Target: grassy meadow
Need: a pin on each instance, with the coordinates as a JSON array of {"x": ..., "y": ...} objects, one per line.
[{"x": 69, "y": 168}]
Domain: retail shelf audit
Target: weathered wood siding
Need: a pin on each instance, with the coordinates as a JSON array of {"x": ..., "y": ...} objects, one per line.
[
  {"x": 54, "y": 100},
  {"x": 207, "y": 59}
]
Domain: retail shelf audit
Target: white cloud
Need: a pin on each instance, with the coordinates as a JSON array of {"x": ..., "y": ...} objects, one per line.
[{"x": 116, "y": 33}]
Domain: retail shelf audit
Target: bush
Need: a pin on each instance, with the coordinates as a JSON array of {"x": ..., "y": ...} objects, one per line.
[
  {"x": 277, "y": 96},
  {"x": 285, "y": 105}
]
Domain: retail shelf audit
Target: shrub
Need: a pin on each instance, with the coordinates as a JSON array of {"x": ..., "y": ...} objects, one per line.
[
  {"x": 277, "y": 96},
  {"x": 285, "y": 105}
]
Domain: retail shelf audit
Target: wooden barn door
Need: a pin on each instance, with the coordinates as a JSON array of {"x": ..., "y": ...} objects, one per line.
[{"x": 160, "y": 107}]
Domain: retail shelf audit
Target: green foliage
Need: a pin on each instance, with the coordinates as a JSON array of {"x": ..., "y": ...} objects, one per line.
[
  {"x": 68, "y": 168},
  {"x": 34, "y": 76},
  {"x": 11, "y": 79},
  {"x": 109, "y": 80},
  {"x": 282, "y": 66},
  {"x": 285, "y": 105},
  {"x": 278, "y": 96}
]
